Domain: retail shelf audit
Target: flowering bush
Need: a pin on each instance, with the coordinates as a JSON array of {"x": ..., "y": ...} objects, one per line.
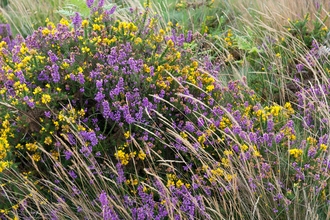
[
  {"x": 93, "y": 77},
  {"x": 118, "y": 119}
]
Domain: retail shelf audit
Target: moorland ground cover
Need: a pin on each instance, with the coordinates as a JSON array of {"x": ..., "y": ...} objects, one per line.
[{"x": 183, "y": 110}]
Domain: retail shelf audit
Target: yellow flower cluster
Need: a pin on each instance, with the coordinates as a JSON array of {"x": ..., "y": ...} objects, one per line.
[
  {"x": 296, "y": 153},
  {"x": 218, "y": 173},
  {"x": 323, "y": 147},
  {"x": 311, "y": 140},
  {"x": 173, "y": 180},
  {"x": 225, "y": 122},
  {"x": 4, "y": 144},
  {"x": 31, "y": 146},
  {"x": 142, "y": 155},
  {"x": 289, "y": 133},
  {"x": 132, "y": 182},
  {"x": 46, "y": 98},
  {"x": 228, "y": 38},
  {"x": 4, "y": 165},
  {"x": 124, "y": 157},
  {"x": 127, "y": 28},
  {"x": 275, "y": 111}
]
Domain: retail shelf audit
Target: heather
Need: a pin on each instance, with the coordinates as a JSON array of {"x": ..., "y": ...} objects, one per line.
[{"x": 130, "y": 114}]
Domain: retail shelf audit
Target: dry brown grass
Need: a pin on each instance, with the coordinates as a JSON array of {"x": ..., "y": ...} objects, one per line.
[
  {"x": 276, "y": 13},
  {"x": 25, "y": 16}
]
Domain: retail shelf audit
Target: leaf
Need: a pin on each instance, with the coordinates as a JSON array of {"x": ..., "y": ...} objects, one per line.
[
  {"x": 75, "y": 6},
  {"x": 242, "y": 43},
  {"x": 254, "y": 50},
  {"x": 191, "y": 45}
]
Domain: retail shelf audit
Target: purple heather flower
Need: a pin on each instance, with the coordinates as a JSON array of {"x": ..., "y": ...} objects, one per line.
[
  {"x": 121, "y": 177},
  {"x": 86, "y": 151},
  {"x": 47, "y": 114},
  {"x": 53, "y": 215},
  {"x": 89, "y": 136},
  {"x": 81, "y": 78},
  {"x": 236, "y": 148},
  {"x": 79, "y": 209},
  {"x": 279, "y": 137},
  {"x": 106, "y": 109},
  {"x": 270, "y": 125},
  {"x": 99, "y": 96},
  {"x": 278, "y": 197},
  {"x": 68, "y": 154},
  {"x": 99, "y": 84},
  {"x": 111, "y": 11},
  {"x": 107, "y": 212},
  {"x": 20, "y": 76},
  {"x": 252, "y": 184},
  {"x": 236, "y": 129},
  {"x": 189, "y": 36},
  {"x": 72, "y": 174},
  {"x": 300, "y": 175},
  {"x": 89, "y": 3},
  {"x": 29, "y": 101},
  {"x": 55, "y": 74},
  {"x": 189, "y": 126},
  {"x": 186, "y": 168},
  {"x": 72, "y": 139},
  {"x": 75, "y": 190},
  {"x": 52, "y": 56},
  {"x": 300, "y": 67},
  {"x": 6, "y": 34},
  {"x": 101, "y": 3},
  {"x": 76, "y": 20},
  {"x": 103, "y": 199},
  {"x": 127, "y": 115},
  {"x": 5, "y": 30},
  {"x": 72, "y": 77},
  {"x": 200, "y": 122},
  {"x": 139, "y": 114},
  {"x": 43, "y": 76},
  {"x": 94, "y": 74}
]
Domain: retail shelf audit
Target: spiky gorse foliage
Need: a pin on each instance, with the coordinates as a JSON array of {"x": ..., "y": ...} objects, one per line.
[{"x": 117, "y": 119}]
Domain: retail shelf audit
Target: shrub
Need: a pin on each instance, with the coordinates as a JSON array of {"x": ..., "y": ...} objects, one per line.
[{"x": 117, "y": 119}]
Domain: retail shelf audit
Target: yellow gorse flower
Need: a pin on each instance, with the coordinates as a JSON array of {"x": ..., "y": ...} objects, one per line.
[
  {"x": 295, "y": 152},
  {"x": 46, "y": 98}
]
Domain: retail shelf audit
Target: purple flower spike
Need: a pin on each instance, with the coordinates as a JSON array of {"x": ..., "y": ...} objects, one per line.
[
  {"x": 103, "y": 199},
  {"x": 112, "y": 10},
  {"x": 107, "y": 212},
  {"x": 101, "y": 3},
  {"x": 72, "y": 174},
  {"x": 89, "y": 3},
  {"x": 76, "y": 21}
]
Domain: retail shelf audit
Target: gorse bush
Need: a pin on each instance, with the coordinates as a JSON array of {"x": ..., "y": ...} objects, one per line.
[
  {"x": 99, "y": 74},
  {"x": 105, "y": 118},
  {"x": 96, "y": 74}
]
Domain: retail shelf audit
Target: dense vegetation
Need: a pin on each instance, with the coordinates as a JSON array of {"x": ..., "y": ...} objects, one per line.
[{"x": 183, "y": 110}]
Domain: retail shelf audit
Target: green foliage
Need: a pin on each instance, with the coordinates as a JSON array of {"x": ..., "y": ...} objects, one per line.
[
  {"x": 299, "y": 29},
  {"x": 73, "y": 6}
]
